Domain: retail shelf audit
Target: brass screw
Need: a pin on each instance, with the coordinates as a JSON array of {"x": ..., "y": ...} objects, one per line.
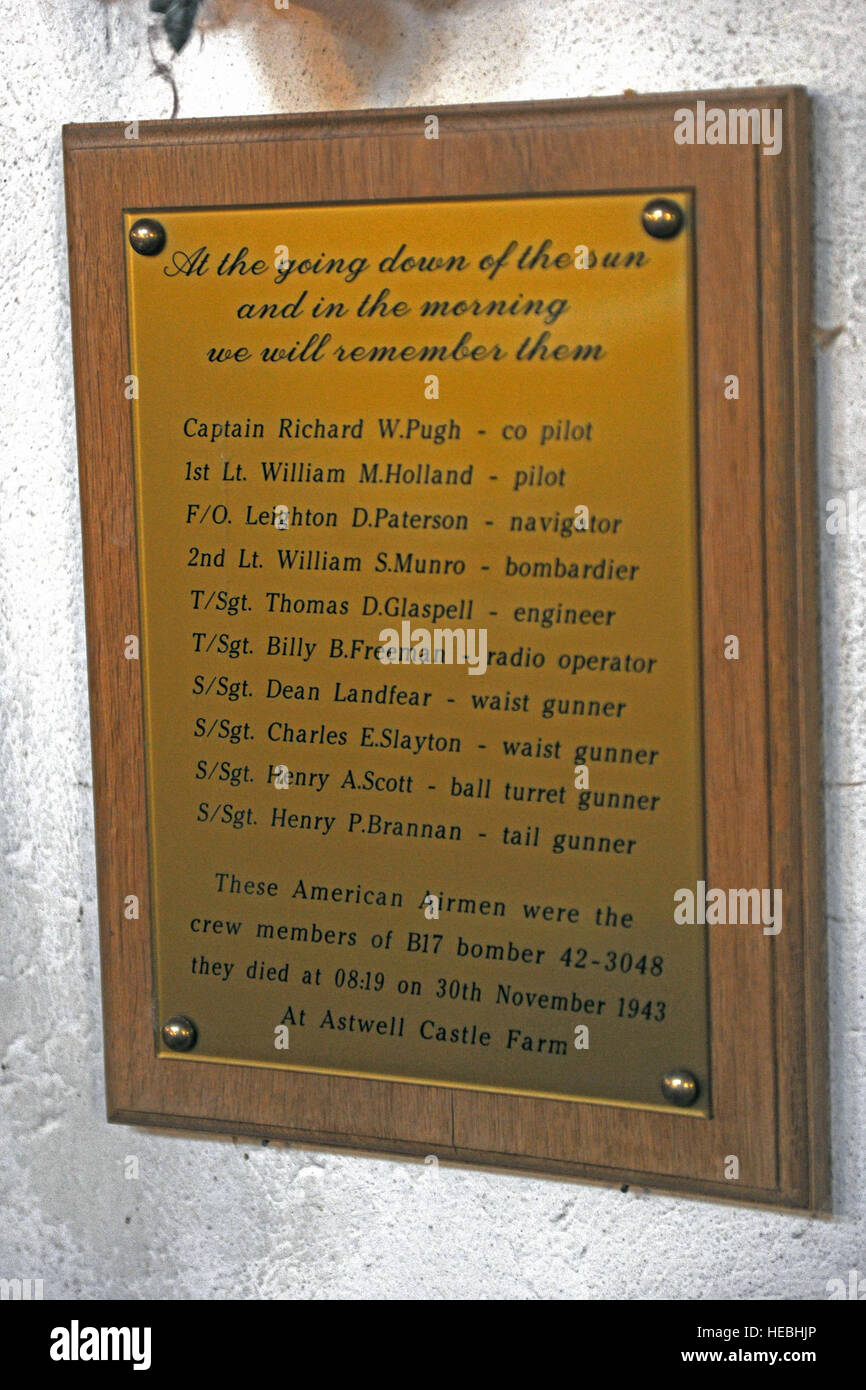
[
  {"x": 680, "y": 1088},
  {"x": 147, "y": 236},
  {"x": 662, "y": 218},
  {"x": 179, "y": 1033}
]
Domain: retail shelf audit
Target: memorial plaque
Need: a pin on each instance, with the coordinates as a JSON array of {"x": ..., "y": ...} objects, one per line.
[
  {"x": 449, "y": 598},
  {"x": 443, "y": 902}
]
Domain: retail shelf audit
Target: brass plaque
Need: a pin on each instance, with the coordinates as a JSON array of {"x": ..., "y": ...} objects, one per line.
[{"x": 417, "y": 542}]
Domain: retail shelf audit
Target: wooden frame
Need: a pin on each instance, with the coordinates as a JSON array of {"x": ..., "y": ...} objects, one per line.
[{"x": 758, "y": 556}]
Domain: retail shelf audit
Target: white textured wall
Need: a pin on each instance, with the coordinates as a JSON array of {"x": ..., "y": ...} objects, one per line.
[{"x": 210, "y": 1218}]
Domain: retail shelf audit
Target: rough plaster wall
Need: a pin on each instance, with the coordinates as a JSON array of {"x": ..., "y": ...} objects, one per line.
[{"x": 209, "y": 1218}]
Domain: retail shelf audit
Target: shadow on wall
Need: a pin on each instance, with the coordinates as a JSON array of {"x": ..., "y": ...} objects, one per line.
[{"x": 350, "y": 52}]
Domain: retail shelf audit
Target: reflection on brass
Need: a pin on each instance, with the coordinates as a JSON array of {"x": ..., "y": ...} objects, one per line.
[
  {"x": 680, "y": 1088},
  {"x": 662, "y": 218},
  {"x": 147, "y": 236},
  {"x": 179, "y": 1034},
  {"x": 459, "y": 436}
]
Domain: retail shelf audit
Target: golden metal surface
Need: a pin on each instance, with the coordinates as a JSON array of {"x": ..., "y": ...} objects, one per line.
[{"x": 284, "y": 363}]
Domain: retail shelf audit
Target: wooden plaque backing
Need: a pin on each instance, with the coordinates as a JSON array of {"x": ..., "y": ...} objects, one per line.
[{"x": 763, "y": 768}]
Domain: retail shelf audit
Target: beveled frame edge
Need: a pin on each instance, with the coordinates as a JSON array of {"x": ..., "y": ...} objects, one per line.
[
  {"x": 366, "y": 120},
  {"x": 803, "y": 824},
  {"x": 472, "y": 1160},
  {"x": 791, "y": 610}
]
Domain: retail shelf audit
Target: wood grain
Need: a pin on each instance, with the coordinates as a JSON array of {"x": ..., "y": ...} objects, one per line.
[{"x": 758, "y": 581}]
